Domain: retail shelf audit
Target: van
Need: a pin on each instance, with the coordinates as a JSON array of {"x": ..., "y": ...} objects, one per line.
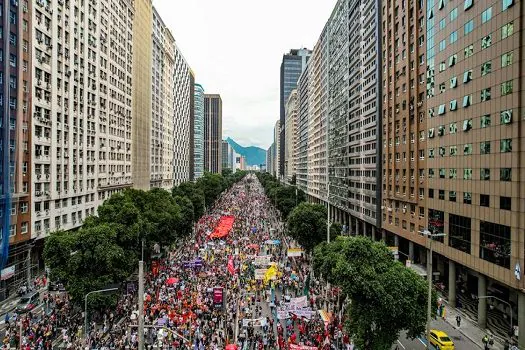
[{"x": 28, "y": 302}]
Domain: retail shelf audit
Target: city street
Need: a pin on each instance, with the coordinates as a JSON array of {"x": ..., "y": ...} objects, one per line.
[{"x": 460, "y": 341}]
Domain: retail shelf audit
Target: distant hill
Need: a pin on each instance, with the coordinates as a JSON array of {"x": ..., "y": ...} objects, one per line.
[{"x": 254, "y": 155}]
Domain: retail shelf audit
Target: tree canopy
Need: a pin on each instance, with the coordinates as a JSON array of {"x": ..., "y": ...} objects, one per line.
[
  {"x": 307, "y": 225},
  {"x": 386, "y": 297}
]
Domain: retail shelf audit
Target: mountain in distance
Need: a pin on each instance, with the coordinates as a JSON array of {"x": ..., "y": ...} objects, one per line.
[{"x": 254, "y": 155}]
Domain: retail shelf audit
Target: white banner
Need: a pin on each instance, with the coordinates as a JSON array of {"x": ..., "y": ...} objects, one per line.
[
  {"x": 7, "y": 273},
  {"x": 263, "y": 260},
  {"x": 259, "y": 273},
  {"x": 255, "y": 322},
  {"x": 294, "y": 252},
  {"x": 299, "y": 302}
]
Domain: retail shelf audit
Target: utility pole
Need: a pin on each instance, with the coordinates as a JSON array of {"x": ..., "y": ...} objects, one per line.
[{"x": 141, "y": 300}]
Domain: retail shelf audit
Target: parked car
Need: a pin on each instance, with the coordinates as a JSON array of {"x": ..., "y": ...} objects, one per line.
[
  {"x": 28, "y": 302},
  {"x": 440, "y": 340},
  {"x": 55, "y": 286}
]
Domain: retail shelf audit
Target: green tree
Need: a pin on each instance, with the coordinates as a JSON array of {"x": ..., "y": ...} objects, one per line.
[
  {"x": 307, "y": 225},
  {"x": 186, "y": 212},
  {"x": 386, "y": 297},
  {"x": 211, "y": 185},
  {"x": 335, "y": 229},
  {"x": 194, "y": 193}
]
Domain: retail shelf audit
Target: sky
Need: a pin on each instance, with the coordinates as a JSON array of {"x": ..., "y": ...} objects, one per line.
[{"x": 235, "y": 48}]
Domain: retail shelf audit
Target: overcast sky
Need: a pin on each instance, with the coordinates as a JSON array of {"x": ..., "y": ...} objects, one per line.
[{"x": 235, "y": 48}]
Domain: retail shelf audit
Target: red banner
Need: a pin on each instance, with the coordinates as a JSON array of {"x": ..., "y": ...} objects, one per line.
[
  {"x": 223, "y": 227},
  {"x": 231, "y": 268}
]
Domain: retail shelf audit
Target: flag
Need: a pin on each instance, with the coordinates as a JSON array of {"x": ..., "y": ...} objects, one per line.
[
  {"x": 231, "y": 268},
  {"x": 270, "y": 273}
]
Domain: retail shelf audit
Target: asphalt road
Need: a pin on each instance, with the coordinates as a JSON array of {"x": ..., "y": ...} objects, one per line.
[{"x": 460, "y": 341}]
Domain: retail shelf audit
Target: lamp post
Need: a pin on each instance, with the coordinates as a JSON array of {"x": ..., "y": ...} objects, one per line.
[
  {"x": 86, "y": 307},
  {"x": 504, "y": 302},
  {"x": 430, "y": 236}
]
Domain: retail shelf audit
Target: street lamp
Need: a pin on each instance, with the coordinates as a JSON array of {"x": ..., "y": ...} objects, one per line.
[
  {"x": 85, "y": 306},
  {"x": 504, "y": 302},
  {"x": 431, "y": 236}
]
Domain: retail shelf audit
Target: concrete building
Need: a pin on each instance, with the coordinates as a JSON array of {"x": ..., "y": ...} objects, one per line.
[
  {"x": 277, "y": 150},
  {"x": 16, "y": 136},
  {"x": 292, "y": 66},
  {"x": 303, "y": 92},
  {"x": 191, "y": 154},
  {"x": 292, "y": 111},
  {"x": 83, "y": 100},
  {"x": 317, "y": 187},
  {"x": 198, "y": 131},
  {"x": 213, "y": 133},
  {"x": 182, "y": 122},
  {"x": 270, "y": 159},
  {"x": 162, "y": 99},
  {"x": 228, "y": 156},
  {"x": 141, "y": 96}
]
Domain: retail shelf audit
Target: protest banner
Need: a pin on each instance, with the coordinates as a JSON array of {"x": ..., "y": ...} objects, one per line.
[
  {"x": 294, "y": 252},
  {"x": 263, "y": 260}
]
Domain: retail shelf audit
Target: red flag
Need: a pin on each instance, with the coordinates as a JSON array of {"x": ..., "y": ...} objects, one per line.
[{"x": 231, "y": 268}]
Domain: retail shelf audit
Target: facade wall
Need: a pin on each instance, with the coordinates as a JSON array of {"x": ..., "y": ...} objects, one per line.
[
  {"x": 182, "y": 118},
  {"x": 213, "y": 133},
  {"x": 141, "y": 106},
  {"x": 82, "y": 100},
  {"x": 199, "y": 131},
  {"x": 277, "y": 150},
  {"x": 303, "y": 91},
  {"x": 290, "y": 136},
  {"x": 162, "y": 103}
]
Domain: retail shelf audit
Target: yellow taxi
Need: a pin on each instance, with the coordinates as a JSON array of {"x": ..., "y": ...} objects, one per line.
[{"x": 440, "y": 340}]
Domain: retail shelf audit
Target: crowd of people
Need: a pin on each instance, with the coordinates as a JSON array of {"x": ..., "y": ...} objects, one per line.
[{"x": 208, "y": 293}]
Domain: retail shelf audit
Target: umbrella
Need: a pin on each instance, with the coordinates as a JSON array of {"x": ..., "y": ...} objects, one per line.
[
  {"x": 231, "y": 347},
  {"x": 172, "y": 280}
]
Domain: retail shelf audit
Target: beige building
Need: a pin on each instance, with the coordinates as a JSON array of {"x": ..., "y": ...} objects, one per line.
[
  {"x": 277, "y": 143},
  {"x": 142, "y": 68},
  {"x": 290, "y": 150},
  {"x": 213, "y": 133}
]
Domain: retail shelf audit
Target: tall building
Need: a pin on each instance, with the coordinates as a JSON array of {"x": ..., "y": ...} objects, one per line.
[
  {"x": 162, "y": 99},
  {"x": 292, "y": 65},
  {"x": 354, "y": 115},
  {"x": 213, "y": 133},
  {"x": 191, "y": 154},
  {"x": 277, "y": 143},
  {"x": 228, "y": 156},
  {"x": 317, "y": 187},
  {"x": 183, "y": 90},
  {"x": 82, "y": 109},
  {"x": 141, "y": 99},
  {"x": 16, "y": 127},
  {"x": 269, "y": 159},
  {"x": 198, "y": 131},
  {"x": 292, "y": 110},
  {"x": 303, "y": 92}
]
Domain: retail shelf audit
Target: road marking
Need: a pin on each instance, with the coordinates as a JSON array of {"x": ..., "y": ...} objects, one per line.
[
  {"x": 401, "y": 344},
  {"x": 424, "y": 342}
]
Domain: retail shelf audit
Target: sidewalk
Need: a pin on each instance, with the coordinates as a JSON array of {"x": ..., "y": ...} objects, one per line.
[{"x": 469, "y": 328}]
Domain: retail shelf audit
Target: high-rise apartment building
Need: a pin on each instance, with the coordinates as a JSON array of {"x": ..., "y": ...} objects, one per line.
[
  {"x": 142, "y": 99},
  {"x": 269, "y": 159},
  {"x": 15, "y": 143},
  {"x": 228, "y": 156},
  {"x": 292, "y": 66},
  {"x": 277, "y": 143},
  {"x": 82, "y": 109},
  {"x": 317, "y": 187},
  {"x": 213, "y": 133},
  {"x": 183, "y": 90},
  {"x": 162, "y": 99},
  {"x": 191, "y": 155},
  {"x": 303, "y": 94},
  {"x": 290, "y": 150},
  {"x": 354, "y": 118},
  {"x": 198, "y": 131}
]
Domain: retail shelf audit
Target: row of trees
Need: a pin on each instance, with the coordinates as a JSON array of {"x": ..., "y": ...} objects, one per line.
[{"x": 106, "y": 249}]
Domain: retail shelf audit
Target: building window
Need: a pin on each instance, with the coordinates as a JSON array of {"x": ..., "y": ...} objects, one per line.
[
  {"x": 485, "y": 95},
  {"x": 506, "y": 116},
  {"x": 452, "y": 60},
  {"x": 442, "y": 24},
  {"x": 467, "y": 174},
  {"x": 506, "y": 88},
  {"x": 484, "y": 174},
  {"x": 13, "y": 209},
  {"x": 505, "y": 174},
  {"x": 452, "y": 173},
  {"x": 467, "y": 101},
  {"x": 442, "y": 195},
  {"x": 469, "y": 26},
  {"x": 467, "y": 149},
  {"x": 23, "y": 207},
  {"x": 453, "y": 37},
  {"x": 485, "y": 121},
  {"x": 467, "y": 76},
  {"x": 430, "y": 193},
  {"x": 12, "y": 230},
  {"x": 486, "y": 41},
  {"x": 453, "y": 128},
  {"x": 453, "y": 151},
  {"x": 452, "y": 196},
  {"x": 24, "y": 227},
  {"x": 468, "y": 4},
  {"x": 453, "y": 105},
  {"x": 467, "y": 198},
  {"x": 485, "y": 147},
  {"x": 505, "y": 203},
  {"x": 469, "y": 51},
  {"x": 506, "y": 145},
  {"x": 453, "y": 14},
  {"x": 486, "y": 68},
  {"x": 430, "y": 153},
  {"x": 453, "y": 82},
  {"x": 484, "y": 200},
  {"x": 467, "y": 125},
  {"x": 486, "y": 15},
  {"x": 495, "y": 243},
  {"x": 442, "y": 45},
  {"x": 442, "y": 66},
  {"x": 441, "y": 109},
  {"x": 459, "y": 229},
  {"x": 506, "y": 59},
  {"x": 507, "y": 4},
  {"x": 442, "y": 172}
]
